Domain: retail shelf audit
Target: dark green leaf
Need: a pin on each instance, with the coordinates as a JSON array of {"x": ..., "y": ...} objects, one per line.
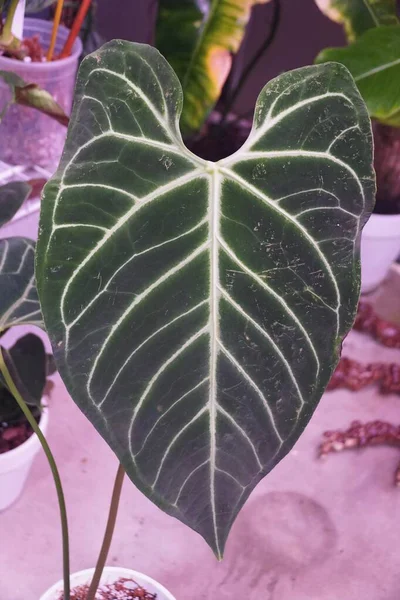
[
  {"x": 12, "y": 197},
  {"x": 198, "y": 39},
  {"x": 26, "y": 362},
  {"x": 19, "y": 302},
  {"x": 51, "y": 365},
  {"x": 374, "y": 62},
  {"x": 197, "y": 309},
  {"x": 358, "y": 16},
  {"x": 9, "y": 409}
]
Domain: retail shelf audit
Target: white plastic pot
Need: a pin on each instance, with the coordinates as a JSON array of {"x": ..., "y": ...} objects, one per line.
[
  {"x": 380, "y": 247},
  {"x": 16, "y": 464},
  {"x": 110, "y": 575}
]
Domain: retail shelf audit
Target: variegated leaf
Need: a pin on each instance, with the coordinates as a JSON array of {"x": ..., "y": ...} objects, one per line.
[
  {"x": 205, "y": 36},
  {"x": 358, "y": 16},
  {"x": 197, "y": 309}
]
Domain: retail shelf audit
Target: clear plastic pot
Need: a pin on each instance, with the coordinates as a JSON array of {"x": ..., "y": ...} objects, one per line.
[{"x": 28, "y": 137}]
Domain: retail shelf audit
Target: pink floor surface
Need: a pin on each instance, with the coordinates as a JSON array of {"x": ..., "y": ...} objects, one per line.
[{"x": 312, "y": 530}]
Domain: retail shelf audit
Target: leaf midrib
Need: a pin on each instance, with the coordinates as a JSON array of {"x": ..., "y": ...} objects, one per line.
[
  {"x": 379, "y": 69},
  {"x": 214, "y": 212}
]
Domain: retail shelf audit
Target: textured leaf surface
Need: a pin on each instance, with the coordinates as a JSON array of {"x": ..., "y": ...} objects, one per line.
[
  {"x": 19, "y": 303},
  {"x": 374, "y": 62},
  {"x": 358, "y": 16},
  {"x": 12, "y": 197},
  {"x": 205, "y": 35},
  {"x": 196, "y": 309}
]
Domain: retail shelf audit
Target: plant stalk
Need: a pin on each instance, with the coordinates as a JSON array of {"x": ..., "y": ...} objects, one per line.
[
  {"x": 56, "y": 476},
  {"x": 7, "y": 36},
  {"x": 276, "y": 17},
  {"x": 108, "y": 534},
  {"x": 56, "y": 23},
  {"x": 76, "y": 27}
]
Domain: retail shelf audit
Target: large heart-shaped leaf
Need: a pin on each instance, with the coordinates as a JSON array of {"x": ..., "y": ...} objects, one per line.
[
  {"x": 19, "y": 303},
  {"x": 196, "y": 309},
  {"x": 12, "y": 197},
  {"x": 374, "y": 62},
  {"x": 205, "y": 35},
  {"x": 358, "y": 16}
]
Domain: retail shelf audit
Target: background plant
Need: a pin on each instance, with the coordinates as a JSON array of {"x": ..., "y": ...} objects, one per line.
[
  {"x": 8, "y": 9},
  {"x": 33, "y": 95},
  {"x": 24, "y": 367},
  {"x": 206, "y": 37},
  {"x": 19, "y": 305},
  {"x": 372, "y": 56}
]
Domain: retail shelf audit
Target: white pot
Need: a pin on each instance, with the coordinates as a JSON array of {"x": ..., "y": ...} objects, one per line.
[
  {"x": 380, "y": 246},
  {"x": 15, "y": 465},
  {"x": 110, "y": 575}
]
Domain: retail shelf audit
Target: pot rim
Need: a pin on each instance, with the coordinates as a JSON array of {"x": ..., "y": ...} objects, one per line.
[
  {"x": 30, "y": 442},
  {"x": 118, "y": 571},
  {"x": 76, "y": 51}
]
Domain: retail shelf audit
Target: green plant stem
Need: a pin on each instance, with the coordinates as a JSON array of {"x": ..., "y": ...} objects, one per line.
[
  {"x": 6, "y": 36},
  {"x": 276, "y": 16},
  {"x": 56, "y": 476},
  {"x": 108, "y": 534}
]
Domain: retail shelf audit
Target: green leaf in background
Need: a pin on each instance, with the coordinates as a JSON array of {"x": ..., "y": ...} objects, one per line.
[
  {"x": 198, "y": 39},
  {"x": 34, "y": 96},
  {"x": 19, "y": 303},
  {"x": 12, "y": 196},
  {"x": 374, "y": 62},
  {"x": 27, "y": 363},
  {"x": 196, "y": 309},
  {"x": 33, "y": 6},
  {"x": 358, "y": 16}
]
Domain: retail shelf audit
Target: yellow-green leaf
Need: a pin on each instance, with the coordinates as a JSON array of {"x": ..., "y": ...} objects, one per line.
[
  {"x": 374, "y": 62},
  {"x": 198, "y": 40},
  {"x": 358, "y": 16}
]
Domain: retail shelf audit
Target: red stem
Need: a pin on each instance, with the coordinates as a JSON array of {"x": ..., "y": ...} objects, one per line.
[{"x": 76, "y": 27}]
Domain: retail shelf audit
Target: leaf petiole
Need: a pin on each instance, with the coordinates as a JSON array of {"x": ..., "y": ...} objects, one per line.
[
  {"x": 105, "y": 547},
  {"x": 56, "y": 476}
]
